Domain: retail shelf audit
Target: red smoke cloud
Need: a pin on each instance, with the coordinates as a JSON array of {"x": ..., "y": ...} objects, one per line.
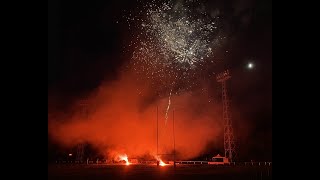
[{"x": 120, "y": 121}]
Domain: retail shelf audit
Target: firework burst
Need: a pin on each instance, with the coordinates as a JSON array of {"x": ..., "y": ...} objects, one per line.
[{"x": 175, "y": 43}]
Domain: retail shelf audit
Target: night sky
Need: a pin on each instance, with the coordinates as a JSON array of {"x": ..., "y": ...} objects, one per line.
[{"x": 86, "y": 49}]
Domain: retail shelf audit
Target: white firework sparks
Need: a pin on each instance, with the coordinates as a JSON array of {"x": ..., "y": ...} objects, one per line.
[
  {"x": 174, "y": 43},
  {"x": 180, "y": 41}
]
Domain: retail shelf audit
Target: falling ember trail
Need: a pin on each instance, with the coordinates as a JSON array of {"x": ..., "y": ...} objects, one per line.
[{"x": 168, "y": 107}]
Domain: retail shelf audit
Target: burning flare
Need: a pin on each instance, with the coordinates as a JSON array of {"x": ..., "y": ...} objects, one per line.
[
  {"x": 124, "y": 158},
  {"x": 161, "y": 163}
]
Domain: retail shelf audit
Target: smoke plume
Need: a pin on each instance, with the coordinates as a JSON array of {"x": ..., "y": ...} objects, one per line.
[{"x": 122, "y": 118}]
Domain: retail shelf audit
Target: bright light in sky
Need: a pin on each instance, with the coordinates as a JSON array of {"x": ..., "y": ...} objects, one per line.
[{"x": 250, "y": 65}]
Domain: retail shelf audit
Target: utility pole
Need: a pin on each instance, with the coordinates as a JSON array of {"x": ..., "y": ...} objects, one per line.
[
  {"x": 157, "y": 138},
  {"x": 174, "y": 141}
]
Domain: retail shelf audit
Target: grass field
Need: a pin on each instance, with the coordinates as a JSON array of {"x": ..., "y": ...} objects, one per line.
[{"x": 59, "y": 171}]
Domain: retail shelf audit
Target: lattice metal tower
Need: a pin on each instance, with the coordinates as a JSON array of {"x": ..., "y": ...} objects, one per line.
[
  {"x": 229, "y": 143},
  {"x": 80, "y": 152},
  {"x": 80, "y": 147}
]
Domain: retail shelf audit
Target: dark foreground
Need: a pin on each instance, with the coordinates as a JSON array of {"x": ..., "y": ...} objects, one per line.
[{"x": 153, "y": 172}]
